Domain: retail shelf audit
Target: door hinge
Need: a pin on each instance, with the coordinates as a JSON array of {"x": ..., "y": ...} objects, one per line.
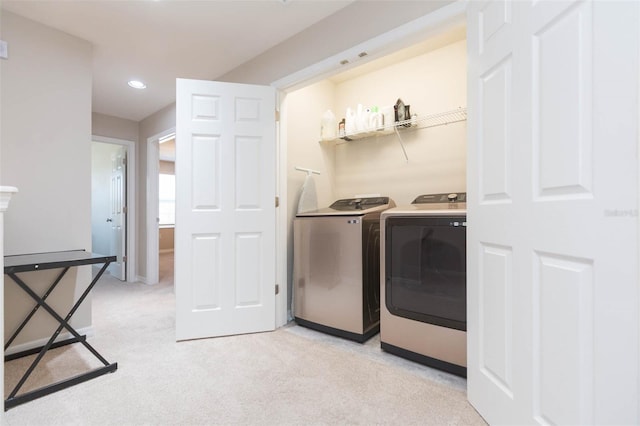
[
  {"x": 124, "y": 209},
  {"x": 124, "y": 258},
  {"x": 277, "y": 116},
  {"x": 277, "y": 289},
  {"x": 124, "y": 161},
  {"x": 277, "y": 201}
]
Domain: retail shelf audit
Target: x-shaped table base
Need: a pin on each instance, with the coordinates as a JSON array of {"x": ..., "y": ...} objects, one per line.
[{"x": 14, "y": 399}]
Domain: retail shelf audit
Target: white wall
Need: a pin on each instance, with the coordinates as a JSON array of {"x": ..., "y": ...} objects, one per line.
[
  {"x": 46, "y": 153},
  {"x": 431, "y": 83},
  {"x": 167, "y": 167},
  {"x": 167, "y": 242},
  {"x": 301, "y": 114},
  {"x": 114, "y": 127}
]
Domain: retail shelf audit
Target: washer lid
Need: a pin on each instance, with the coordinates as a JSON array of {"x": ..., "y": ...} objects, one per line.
[{"x": 352, "y": 207}]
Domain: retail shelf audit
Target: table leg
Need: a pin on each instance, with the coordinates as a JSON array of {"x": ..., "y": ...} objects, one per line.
[{"x": 64, "y": 323}]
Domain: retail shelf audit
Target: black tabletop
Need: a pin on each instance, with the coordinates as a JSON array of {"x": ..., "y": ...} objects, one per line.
[{"x": 52, "y": 260}]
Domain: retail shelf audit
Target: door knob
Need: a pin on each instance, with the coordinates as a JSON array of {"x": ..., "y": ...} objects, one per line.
[{"x": 109, "y": 220}]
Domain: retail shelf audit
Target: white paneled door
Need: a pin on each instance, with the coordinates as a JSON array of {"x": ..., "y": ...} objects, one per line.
[
  {"x": 118, "y": 212},
  {"x": 553, "y": 212},
  {"x": 225, "y": 209}
]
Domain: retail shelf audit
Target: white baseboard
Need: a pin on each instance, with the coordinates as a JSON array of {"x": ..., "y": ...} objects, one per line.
[
  {"x": 87, "y": 331},
  {"x": 141, "y": 279}
]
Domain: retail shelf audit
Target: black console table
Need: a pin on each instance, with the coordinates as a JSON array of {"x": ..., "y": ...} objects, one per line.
[{"x": 53, "y": 260}]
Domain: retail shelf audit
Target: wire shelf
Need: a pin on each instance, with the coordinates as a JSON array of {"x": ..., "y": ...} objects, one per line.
[
  {"x": 439, "y": 119},
  {"x": 424, "y": 122}
]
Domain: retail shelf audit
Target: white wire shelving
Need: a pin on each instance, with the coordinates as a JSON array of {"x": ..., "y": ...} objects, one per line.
[{"x": 432, "y": 120}]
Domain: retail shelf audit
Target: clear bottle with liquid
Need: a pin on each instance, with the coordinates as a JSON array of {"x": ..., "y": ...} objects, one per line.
[{"x": 328, "y": 126}]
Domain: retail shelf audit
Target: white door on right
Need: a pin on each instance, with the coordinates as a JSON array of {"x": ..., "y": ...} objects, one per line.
[
  {"x": 553, "y": 323},
  {"x": 118, "y": 217}
]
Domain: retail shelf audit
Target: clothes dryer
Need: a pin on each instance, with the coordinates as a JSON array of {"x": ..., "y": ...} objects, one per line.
[
  {"x": 423, "y": 281},
  {"x": 336, "y": 274}
]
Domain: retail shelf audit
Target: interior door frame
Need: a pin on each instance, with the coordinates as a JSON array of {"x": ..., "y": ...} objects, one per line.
[
  {"x": 153, "y": 232},
  {"x": 131, "y": 197},
  {"x": 398, "y": 38}
]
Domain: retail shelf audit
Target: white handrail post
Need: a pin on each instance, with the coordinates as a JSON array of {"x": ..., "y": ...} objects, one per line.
[{"x": 5, "y": 196}]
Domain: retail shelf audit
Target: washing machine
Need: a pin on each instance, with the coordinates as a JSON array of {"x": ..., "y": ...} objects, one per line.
[
  {"x": 336, "y": 273},
  {"x": 423, "y": 281}
]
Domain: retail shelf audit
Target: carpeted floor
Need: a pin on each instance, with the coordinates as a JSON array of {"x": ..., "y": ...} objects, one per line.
[{"x": 290, "y": 376}]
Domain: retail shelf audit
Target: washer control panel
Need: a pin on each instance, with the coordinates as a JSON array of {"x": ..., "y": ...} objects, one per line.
[{"x": 359, "y": 203}]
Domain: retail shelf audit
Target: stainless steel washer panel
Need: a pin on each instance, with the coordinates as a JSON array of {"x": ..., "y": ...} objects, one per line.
[
  {"x": 336, "y": 270},
  {"x": 328, "y": 271}
]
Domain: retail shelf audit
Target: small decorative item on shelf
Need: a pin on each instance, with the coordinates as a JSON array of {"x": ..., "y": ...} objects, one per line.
[
  {"x": 399, "y": 110},
  {"x": 402, "y": 113},
  {"x": 407, "y": 115}
]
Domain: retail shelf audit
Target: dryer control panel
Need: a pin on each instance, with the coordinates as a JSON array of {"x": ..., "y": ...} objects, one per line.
[{"x": 448, "y": 197}]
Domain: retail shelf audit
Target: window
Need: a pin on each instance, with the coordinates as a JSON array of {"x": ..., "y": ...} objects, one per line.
[{"x": 167, "y": 199}]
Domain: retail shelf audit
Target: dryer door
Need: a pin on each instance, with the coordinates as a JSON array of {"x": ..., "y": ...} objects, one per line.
[{"x": 425, "y": 269}]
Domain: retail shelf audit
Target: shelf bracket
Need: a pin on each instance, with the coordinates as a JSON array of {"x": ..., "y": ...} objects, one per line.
[{"x": 404, "y": 151}]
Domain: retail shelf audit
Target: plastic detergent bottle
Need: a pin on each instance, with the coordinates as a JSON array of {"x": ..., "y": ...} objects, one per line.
[
  {"x": 328, "y": 126},
  {"x": 387, "y": 117},
  {"x": 375, "y": 119},
  {"x": 350, "y": 122}
]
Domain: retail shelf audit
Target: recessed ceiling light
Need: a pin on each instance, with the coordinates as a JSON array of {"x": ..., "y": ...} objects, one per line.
[{"x": 137, "y": 84}]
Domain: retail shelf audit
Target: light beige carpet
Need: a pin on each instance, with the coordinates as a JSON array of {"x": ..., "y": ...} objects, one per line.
[{"x": 290, "y": 376}]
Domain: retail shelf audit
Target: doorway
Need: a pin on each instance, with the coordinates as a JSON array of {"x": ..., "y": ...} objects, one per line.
[
  {"x": 113, "y": 203},
  {"x": 166, "y": 206},
  {"x": 160, "y": 221}
]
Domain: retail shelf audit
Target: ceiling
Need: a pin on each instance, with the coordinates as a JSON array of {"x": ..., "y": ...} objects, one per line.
[{"x": 159, "y": 41}]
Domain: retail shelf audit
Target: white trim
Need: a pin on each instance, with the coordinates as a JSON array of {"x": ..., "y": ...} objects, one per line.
[
  {"x": 141, "y": 279},
  {"x": 403, "y": 36},
  {"x": 282, "y": 275},
  {"x": 86, "y": 331},
  {"x": 132, "y": 196},
  {"x": 638, "y": 189},
  {"x": 153, "y": 169},
  {"x": 5, "y": 196}
]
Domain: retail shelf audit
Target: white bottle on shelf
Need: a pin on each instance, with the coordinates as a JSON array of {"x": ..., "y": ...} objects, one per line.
[
  {"x": 388, "y": 118},
  {"x": 328, "y": 126},
  {"x": 349, "y": 122}
]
